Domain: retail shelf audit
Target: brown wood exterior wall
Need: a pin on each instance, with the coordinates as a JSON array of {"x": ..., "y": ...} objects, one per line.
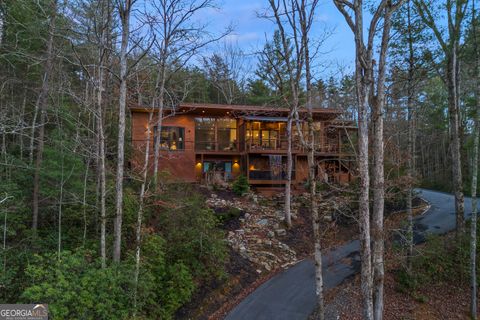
[
  {"x": 178, "y": 164},
  {"x": 187, "y": 164}
]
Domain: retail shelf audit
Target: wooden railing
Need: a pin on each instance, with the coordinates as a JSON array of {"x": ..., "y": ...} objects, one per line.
[
  {"x": 223, "y": 146},
  {"x": 253, "y": 145},
  {"x": 268, "y": 175}
]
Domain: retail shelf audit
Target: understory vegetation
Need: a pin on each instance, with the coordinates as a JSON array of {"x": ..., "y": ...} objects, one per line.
[
  {"x": 441, "y": 259},
  {"x": 181, "y": 249}
]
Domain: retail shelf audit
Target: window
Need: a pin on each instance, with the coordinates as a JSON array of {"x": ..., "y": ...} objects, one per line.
[
  {"x": 265, "y": 135},
  {"x": 171, "y": 138},
  {"x": 219, "y": 167},
  {"x": 205, "y": 134},
  {"x": 227, "y": 134},
  {"x": 215, "y": 134}
]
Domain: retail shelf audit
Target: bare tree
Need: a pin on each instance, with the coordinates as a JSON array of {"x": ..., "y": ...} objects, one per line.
[
  {"x": 294, "y": 21},
  {"x": 138, "y": 231},
  {"x": 2, "y": 23},
  {"x": 124, "y": 8},
  {"x": 178, "y": 38},
  {"x": 476, "y": 133},
  {"x": 449, "y": 43},
  {"x": 95, "y": 66},
  {"x": 103, "y": 52},
  {"x": 226, "y": 72},
  {"x": 410, "y": 138},
  {"x": 284, "y": 15},
  {"x": 306, "y": 15},
  {"x": 370, "y": 88},
  {"x": 41, "y": 106}
]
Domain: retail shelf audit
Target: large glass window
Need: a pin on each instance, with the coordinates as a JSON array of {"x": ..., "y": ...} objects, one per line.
[
  {"x": 205, "y": 134},
  {"x": 227, "y": 134},
  {"x": 171, "y": 138},
  {"x": 265, "y": 135},
  {"x": 215, "y": 134}
]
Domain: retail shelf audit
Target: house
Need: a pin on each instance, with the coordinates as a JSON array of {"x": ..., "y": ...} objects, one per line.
[{"x": 212, "y": 142}]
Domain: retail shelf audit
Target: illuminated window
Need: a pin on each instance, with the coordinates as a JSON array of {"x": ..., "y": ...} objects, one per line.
[
  {"x": 227, "y": 134},
  {"x": 171, "y": 138},
  {"x": 215, "y": 134},
  {"x": 205, "y": 134}
]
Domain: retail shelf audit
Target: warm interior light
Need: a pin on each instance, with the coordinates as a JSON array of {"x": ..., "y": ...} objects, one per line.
[
  {"x": 199, "y": 164},
  {"x": 252, "y": 167},
  {"x": 236, "y": 165}
]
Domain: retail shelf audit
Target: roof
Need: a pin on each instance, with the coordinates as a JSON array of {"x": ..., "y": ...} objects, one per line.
[
  {"x": 271, "y": 119},
  {"x": 241, "y": 110}
]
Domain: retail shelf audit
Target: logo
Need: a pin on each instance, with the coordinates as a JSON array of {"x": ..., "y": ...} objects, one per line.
[{"x": 23, "y": 312}]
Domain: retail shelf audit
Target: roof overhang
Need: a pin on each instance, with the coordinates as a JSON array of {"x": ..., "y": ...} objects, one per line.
[
  {"x": 265, "y": 119},
  {"x": 240, "y": 111}
]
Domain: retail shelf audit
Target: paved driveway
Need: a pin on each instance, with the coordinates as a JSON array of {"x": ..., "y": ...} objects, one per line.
[{"x": 290, "y": 295}]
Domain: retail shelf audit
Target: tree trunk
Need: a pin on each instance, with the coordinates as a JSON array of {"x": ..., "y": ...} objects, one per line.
[
  {"x": 125, "y": 21},
  {"x": 24, "y": 104},
  {"x": 316, "y": 223},
  {"x": 410, "y": 155},
  {"x": 317, "y": 236},
  {"x": 473, "y": 228},
  {"x": 101, "y": 170},
  {"x": 377, "y": 219},
  {"x": 32, "y": 135},
  {"x": 60, "y": 207},
  {"x": 378, "y": 172},
  {"x": 41, "y": 106},
  {"x": 161, "y": 100},
  {"x": 453, "y": 109},
  {"x": 84, "y": 202},
  {"x": 138, "y": 233},
  {"x": 288, "y": 184},
  {"x": 473, "y": 231},
  {"x": 410, "y": 148},
  {"x": 364, "y": 210}
]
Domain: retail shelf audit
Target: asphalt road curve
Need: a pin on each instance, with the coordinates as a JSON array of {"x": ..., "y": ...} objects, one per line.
[{"x": 290, "y": 295}]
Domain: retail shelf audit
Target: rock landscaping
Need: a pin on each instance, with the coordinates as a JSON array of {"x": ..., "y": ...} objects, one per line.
[{"x": 262, "y": 228}]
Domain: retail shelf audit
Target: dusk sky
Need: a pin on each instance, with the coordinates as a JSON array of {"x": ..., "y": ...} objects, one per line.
[{"x": 250, "y": 31}]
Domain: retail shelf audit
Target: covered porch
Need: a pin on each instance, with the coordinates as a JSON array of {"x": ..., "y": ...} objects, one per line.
[{"x": 268, "y": 169}]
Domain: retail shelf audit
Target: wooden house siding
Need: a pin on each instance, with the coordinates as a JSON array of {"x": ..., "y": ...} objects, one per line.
[{"x": 187, "y": 163}]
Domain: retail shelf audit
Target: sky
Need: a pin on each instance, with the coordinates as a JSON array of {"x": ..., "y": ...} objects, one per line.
[{"x": 250, "y": 32}]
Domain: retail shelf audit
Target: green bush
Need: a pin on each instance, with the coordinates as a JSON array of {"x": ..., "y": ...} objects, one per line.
[
  {"x": 231, "y": 213},
  {"x": 240, "y": 185},
  {"x": 441, "y": 259},
  {"x": 77, "y": 287},
  {"x": 163, "y": 288},
  {"x": 192, "y": 234},
  {"x": 72, "y": 286}
]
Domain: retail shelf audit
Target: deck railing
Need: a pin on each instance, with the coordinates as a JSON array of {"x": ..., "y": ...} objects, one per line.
[
  {"x": 251, "y": 145},
  {"x": 268, "y": 175}
]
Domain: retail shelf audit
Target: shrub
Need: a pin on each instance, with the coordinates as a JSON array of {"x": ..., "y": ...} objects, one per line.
[
  {"x": 229, "y": 214},
  {"x": 163, "y": 288},
  {"x": 240, "y": 185},
  {"x": 77, "y": 287},
  {"x": 72, "y": 287},
  {"x": 193, "y": 237},
  {"x": 442, "y": 259}
]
